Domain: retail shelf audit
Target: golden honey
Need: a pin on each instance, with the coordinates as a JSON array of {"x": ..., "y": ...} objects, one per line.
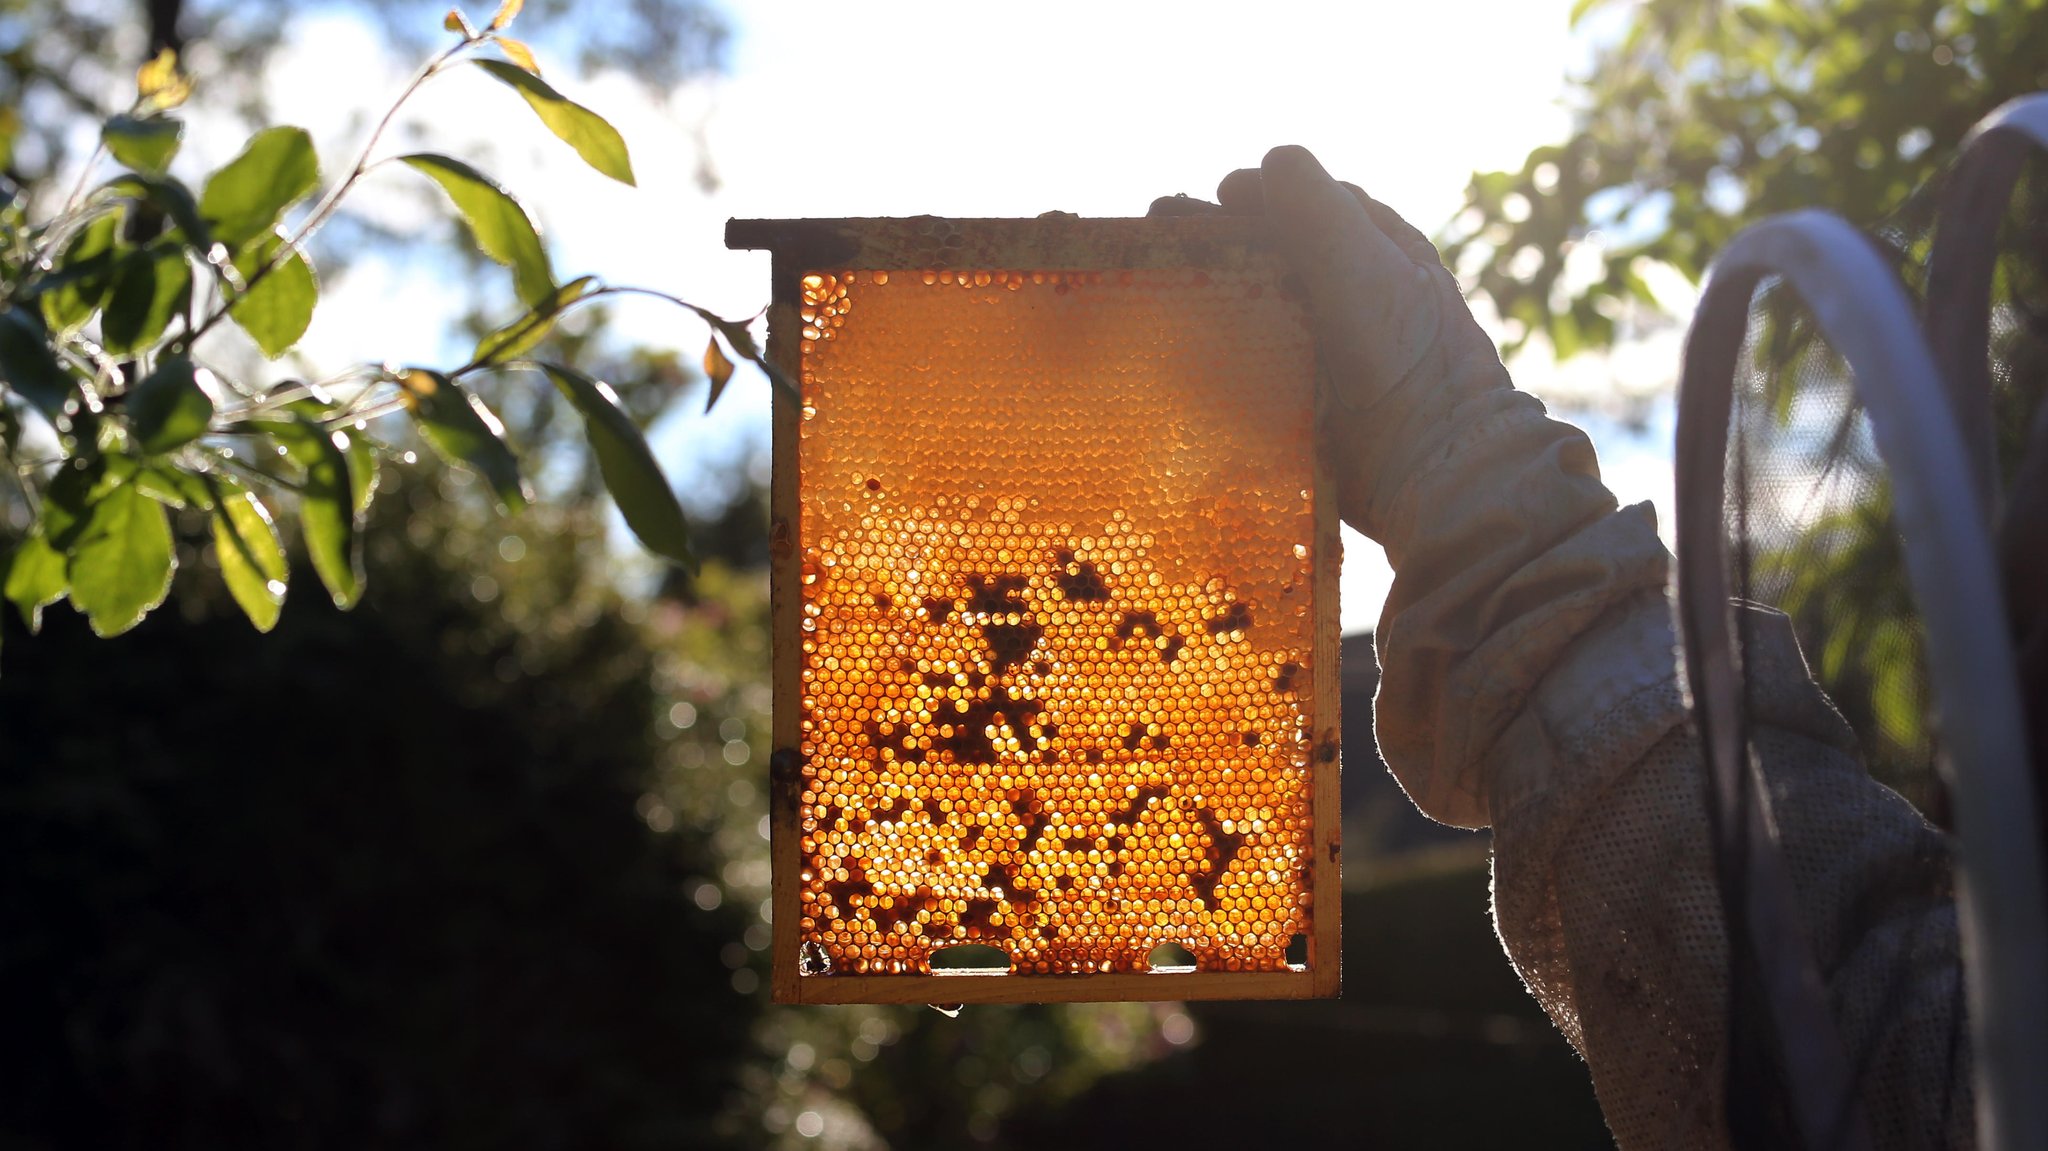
[{"x": 1057, "y": 540}]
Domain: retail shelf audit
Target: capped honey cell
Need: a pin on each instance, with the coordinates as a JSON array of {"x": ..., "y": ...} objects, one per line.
[{"x": 1056, "y": 613}]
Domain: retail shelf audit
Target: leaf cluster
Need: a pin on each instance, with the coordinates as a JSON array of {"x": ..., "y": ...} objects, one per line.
[
  {"x": 1702, "y": 116},
  {"x": 116, "y": 409}
]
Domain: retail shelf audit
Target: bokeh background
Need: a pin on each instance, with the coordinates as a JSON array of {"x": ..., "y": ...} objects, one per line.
[{"x": 483, "y": 862}]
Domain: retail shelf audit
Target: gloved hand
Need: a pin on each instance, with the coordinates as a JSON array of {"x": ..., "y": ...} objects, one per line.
[
  {"x": 1506, "y": 548},
  {"x": 1399, "y": 347}
]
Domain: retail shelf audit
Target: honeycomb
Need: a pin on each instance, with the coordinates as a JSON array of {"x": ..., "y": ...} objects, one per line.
[{"x": 1057, "y": 621}]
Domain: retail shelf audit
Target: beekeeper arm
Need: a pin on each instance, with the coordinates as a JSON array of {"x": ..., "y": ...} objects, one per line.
[{"x": 1530, "y": 683}]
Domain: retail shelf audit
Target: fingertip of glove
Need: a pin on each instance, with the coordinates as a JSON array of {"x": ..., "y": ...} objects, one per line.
[
  {"x": 1243, "y": 192},
  {"x": 1293, "y": 161}
]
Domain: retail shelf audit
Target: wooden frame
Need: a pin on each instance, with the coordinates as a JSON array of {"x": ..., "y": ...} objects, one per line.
[{"x": 1053, "y": 242}]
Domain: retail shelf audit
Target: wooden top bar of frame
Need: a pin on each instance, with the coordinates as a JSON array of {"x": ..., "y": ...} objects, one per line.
[{"x": 1056, "y": 242}]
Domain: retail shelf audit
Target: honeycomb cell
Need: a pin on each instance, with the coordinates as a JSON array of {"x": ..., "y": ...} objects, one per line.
[{"x": 1057, "y": 544}]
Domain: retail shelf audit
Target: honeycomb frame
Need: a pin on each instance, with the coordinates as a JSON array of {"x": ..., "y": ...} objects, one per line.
[{"x": 816, "y": 262}]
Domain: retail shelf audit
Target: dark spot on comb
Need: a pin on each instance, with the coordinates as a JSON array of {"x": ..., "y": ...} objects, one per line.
[
  {"x": 977, "y": 919},
  {"x": 937, "y": 610},
  {"x": 1223, "y": 846},
  {"x": 934, "y": 857},
  {"x": 1041, "y": 667},
  {"x": 883, "y": 601},
  {"x": 1080, "y": 581},
  {"x": 1076, "y": 842},
  {"x": 996, "y": 596},
  {"x": 970, "y": 741},
  {"x": 1283, "y": 679},
  {"x": 874, "y": 485},
  {"x": 972, "y": 837},
  {"x": 1236, "y": 617},
  {"x": 1139, "y": 802},
  {"x": 1137, "y": 621},
  {"x": 1092, "y": 755},
  {"x": 902, "y": 909},
  {"x": 1251, "y": 739},
  {"x": 1009, "y": 643},
  {"x": 856, "y": 883},
  {"x": 1171, "y": 652},
  {"x": 1025, "y": 806}
]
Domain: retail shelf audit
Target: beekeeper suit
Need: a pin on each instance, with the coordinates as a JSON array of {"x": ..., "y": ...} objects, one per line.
[{"x": 1530, "y": 684}]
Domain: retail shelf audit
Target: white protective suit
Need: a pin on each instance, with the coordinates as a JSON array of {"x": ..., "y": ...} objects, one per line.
[{"x": 1530, "y": 683}]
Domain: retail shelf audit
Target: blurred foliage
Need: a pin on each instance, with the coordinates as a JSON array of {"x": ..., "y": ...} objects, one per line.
[
  {"x": 120, "y": 402},
  {"x": 371, "y": 880},
  {"x": 63, "y": 61},
  {"x": 1698, "y": 117}
]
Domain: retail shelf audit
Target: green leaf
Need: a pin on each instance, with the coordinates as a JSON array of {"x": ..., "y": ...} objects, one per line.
[
  {"x": 630, "y": 473},
  {"x": 75, "y": 288},
  {"x": 252, "y": 562},
  {"x": 30, "y": 367},
  {"x": 172, "y": 485},
  {"x": 278, "y": 309},
  {"x": 362, "y": 469},
  {"x": 174, "y": 199},
  {"x": 144, "y": 144},
  {"x": 78, "y": 484},
  {"x": 464, "y": 431},
  {"x": 741, "y": 341},
  {"x": 590, "y": 134},
  {"x": 122, "y": 563},
  {"x": 525, "y": 333},
  {"x": 244, "y": 198},
  {"x": 717, "y": 369},
  {"x": 354, "y": 444},
  {"x": 35, "y": 579},
  {"x": 518, "y": 52},
  {"x": 167, "y": 408},
  {"x": 326, "y": 503},
  {"x": 501, "y": 227},
  {"x": 149, "y": 288}
]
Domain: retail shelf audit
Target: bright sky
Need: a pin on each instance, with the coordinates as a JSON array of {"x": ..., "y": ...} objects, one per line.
[{"x": 969, "y": 109}]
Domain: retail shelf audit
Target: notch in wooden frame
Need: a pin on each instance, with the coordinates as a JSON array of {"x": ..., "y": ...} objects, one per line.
[{"x": 1055, "y": 615}]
